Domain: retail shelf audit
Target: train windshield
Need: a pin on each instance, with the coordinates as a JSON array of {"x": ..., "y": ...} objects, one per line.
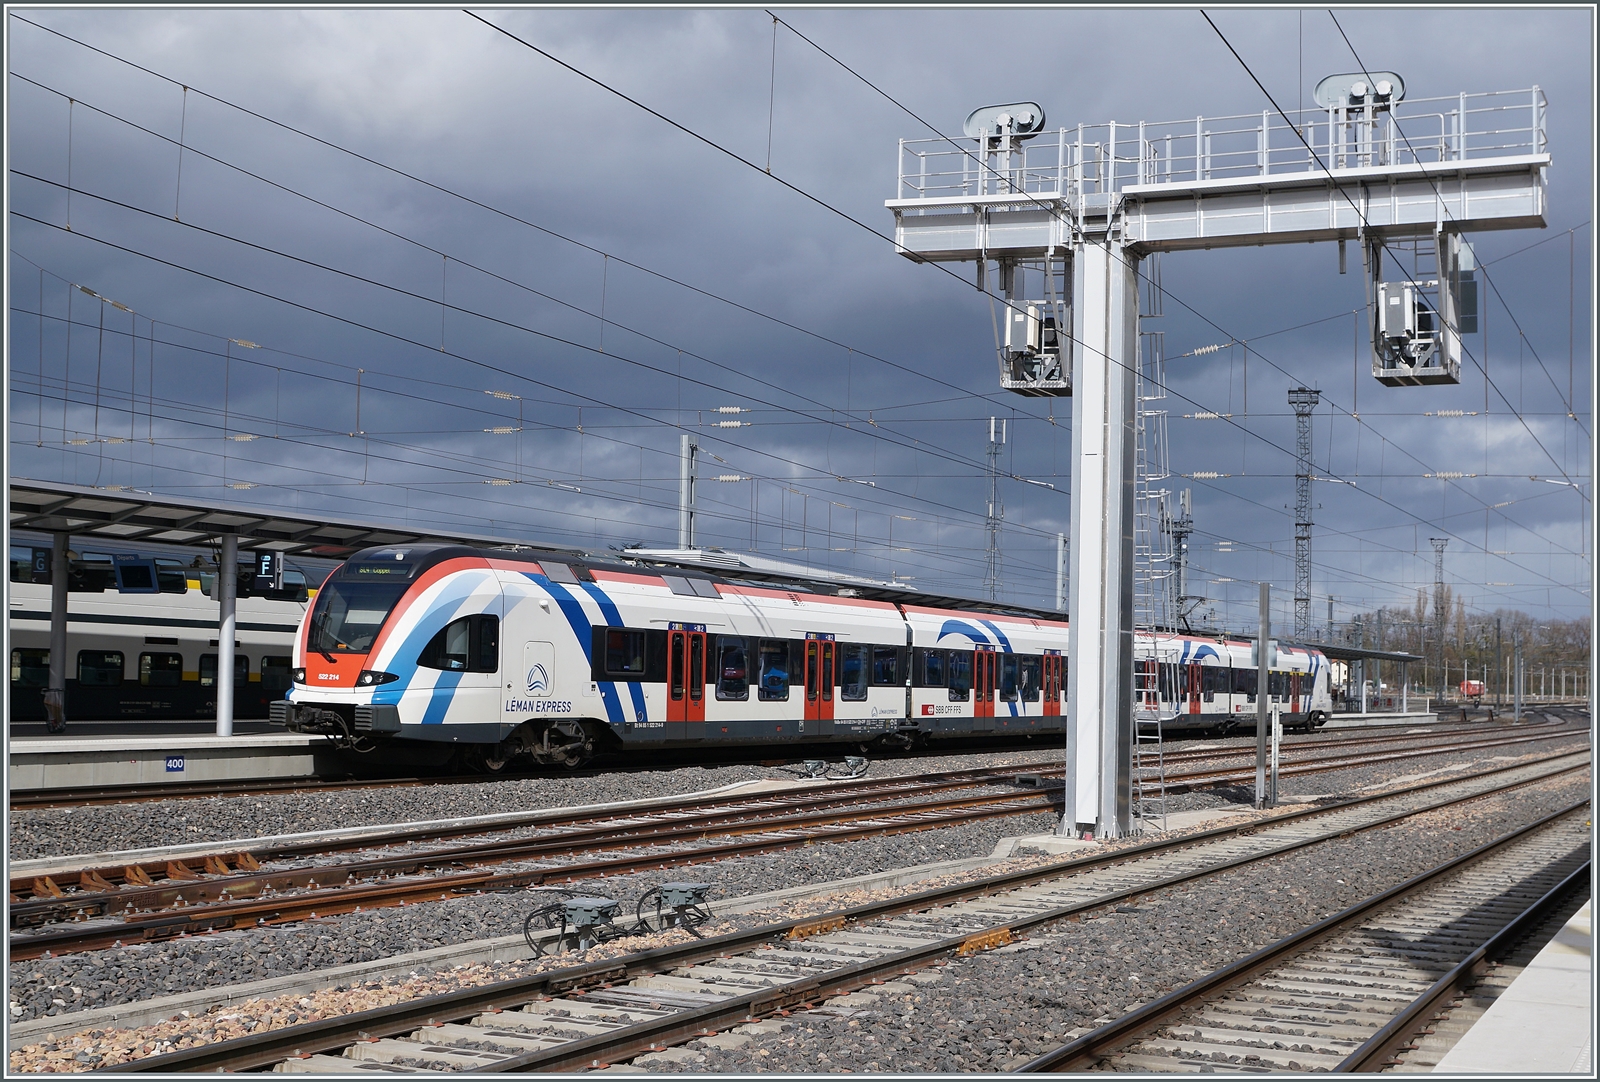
[{"x": 349, "y": 614}]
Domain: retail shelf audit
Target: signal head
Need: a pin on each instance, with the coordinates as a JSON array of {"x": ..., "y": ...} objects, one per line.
[{"x": 1023, "y": 120}]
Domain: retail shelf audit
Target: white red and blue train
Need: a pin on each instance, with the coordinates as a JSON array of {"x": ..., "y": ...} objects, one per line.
[{"x": 555, "y": 656}]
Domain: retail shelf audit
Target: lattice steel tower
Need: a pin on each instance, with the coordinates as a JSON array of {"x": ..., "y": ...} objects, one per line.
[
  {"x": 1439, "y": 615},
  {"x": 997, "y": 511},
  {"x": 1303, "y": 400}
]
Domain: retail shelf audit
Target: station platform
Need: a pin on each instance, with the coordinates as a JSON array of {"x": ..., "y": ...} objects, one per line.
[
  {"x": 67, "y": 762},
  {"x": 1361, "y": 721},
  {"x": 1544, "y": 1022}
]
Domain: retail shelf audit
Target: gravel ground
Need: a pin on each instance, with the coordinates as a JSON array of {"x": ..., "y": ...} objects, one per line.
[
  {"x": 98, "y": 828},
  {"x": 74, "y": 982},
  {"x": 949, "y": 1018},
  {"x": 64, "y": 831},
  {"x": 961, "y": 1018}
]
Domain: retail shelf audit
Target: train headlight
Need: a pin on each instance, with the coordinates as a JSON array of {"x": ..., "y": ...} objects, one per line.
[
  {"x": 298, "y": 675},
  {"x": 369, "y": 677}
]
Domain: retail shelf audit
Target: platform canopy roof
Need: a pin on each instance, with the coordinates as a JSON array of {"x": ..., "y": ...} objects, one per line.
[
  {"x": 129, "y": 517},
  {"x": 1345, "y": 652}
]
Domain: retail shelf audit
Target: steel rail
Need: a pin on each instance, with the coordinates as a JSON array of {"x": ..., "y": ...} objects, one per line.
[
  {"x": 152, "y": 873},
  {"x": 263, "y": 1049},
  {"x": 1091, "y": 1047},
  {"x": 814, "y": 796},
  {"x": 1378, "y": 1050},
  {"x": 38, "y": 799},
  {"x": 348, "y": 886},
  {"x": 70, "y": 935}
]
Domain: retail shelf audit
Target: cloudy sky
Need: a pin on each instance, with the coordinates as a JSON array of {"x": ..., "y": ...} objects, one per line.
[{"x": 394, "y": 265}]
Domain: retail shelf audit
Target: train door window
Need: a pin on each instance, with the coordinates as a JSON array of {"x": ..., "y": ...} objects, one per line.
[
  {"x": 275, "y": 673},
  {"x": 1008, "y": 678},
  {"x": 733, "y": 670},
  {"x": 162, "y": 670},
  {"x": 885, "y": 666},
  {"x": 1028, "y": 679},
  {"x": 486, "y": 643},
  {"x": 675, "y": 665},
  {"x": 99, "y": 668},
  {"x": 775, "y": 669},
  {"x": 811, "y": 670},
  {"x": 853, "y": 671},
  {"x": 960, "y": 669},
  {"x": 30, "y": 668},
  {"x": 697, "y": 667},
  {"x": 932, "y": 669},
  {"x": 829, "y": 675}
]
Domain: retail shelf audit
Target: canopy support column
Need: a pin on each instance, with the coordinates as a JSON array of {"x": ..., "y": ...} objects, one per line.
[{"x": 227, "y": 626}]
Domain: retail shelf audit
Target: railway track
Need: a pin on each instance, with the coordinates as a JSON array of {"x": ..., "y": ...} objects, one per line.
[
  {"x": 39, "y": 799},
  {"x": 156, "y": 900},
  {"x": 610, "y": 1010},
  {"x": 1349, "y": 992}
]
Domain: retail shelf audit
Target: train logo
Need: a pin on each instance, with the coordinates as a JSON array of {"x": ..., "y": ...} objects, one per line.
[{"x": 538, "y": 681}]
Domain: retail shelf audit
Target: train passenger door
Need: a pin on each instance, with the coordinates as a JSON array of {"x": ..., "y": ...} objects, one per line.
[
  {"x": 1051, "y": 679},
  {"x": 983, "y": 681},
  {"x": 686, "y": 681},
  {"x": 821, "y": 676},
  {"x": 1192, "y": 687}
]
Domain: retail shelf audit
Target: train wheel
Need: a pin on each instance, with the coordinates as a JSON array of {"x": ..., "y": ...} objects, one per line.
[{"x": 486, "y": 758}]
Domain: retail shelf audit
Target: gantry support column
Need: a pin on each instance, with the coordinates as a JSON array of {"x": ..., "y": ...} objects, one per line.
[{"x": 1100, "y": 642}]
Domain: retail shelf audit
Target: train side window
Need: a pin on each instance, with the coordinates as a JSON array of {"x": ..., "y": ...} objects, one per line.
[
  {"x": 1244, "y": 682},
  {"x": 624, "y": 655},
  {"x": 1213, "y": 678},
  {"x": 208, "y": 670},
  {"x": 853, "y": 671},
  {"x": 100, "y": 668},
  {"x": 733, "y": 668},
  {"x": 1008, "y": 678},
  {"x": 886, "y": 666},
  {"x": 470, "y": 644},
  {"x": 932, "y": 668},
  {"x": 960, "y": 669},
  {"x": 163, "y": 670},
  {"x": 449, "y": 648},
  {"x": 30, "y": 668},
  {"x": 775, "y": 669},
  {"x": 275, "y": 672},
  {"x": 1028, "y": 678}
]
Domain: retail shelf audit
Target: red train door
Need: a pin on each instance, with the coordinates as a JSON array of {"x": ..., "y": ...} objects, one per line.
[
  {"x": 1192, "y": 682},
  {"x": 1052, "y": 685},
  {"x": 983, "y": 669},
  {"x": 686, "y": 677},
  {"x": 821, "y": 677}
]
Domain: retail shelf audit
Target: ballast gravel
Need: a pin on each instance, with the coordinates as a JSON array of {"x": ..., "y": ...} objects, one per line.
[
  {"x": 997, "y": 1010},
  {"x": 74, "y": 982},
  {"x": 47, "y": 832},
  {"x": 990, "y": 1012}
]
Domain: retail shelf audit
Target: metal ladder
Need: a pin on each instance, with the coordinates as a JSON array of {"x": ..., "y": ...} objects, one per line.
[{"x": 1149, "y": 760}]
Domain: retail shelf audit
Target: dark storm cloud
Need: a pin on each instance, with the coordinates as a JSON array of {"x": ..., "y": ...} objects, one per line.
[{"x": 440, "y": 95}]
